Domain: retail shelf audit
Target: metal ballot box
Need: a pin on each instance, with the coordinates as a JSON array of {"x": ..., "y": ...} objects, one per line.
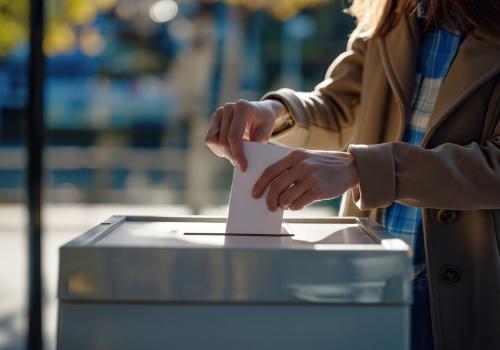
[{"x": 180, "y": 283}]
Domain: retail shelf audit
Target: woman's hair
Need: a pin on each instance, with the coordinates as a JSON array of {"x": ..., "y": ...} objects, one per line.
[{"x": 377, "y": 17}]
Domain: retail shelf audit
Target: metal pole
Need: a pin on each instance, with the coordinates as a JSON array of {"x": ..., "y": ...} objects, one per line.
[{"x": 34, "y": 135}]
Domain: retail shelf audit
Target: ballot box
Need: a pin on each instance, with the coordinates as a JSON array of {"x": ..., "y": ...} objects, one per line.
[{"x": 181, "y": 283}]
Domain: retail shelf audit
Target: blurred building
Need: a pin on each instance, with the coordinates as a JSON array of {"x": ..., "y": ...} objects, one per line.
[
  {"x": 129, "y": 96},
  {"x": 130, "y": 86}
]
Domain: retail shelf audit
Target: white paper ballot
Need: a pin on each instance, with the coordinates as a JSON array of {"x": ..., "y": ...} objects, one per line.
[{"x": 248, "y": 215}]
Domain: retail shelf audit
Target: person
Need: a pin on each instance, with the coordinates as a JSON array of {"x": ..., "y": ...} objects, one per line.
[{"x": 406, "y": 125}]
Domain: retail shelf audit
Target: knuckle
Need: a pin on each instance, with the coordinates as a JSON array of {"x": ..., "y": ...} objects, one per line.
[
  {"x": 209, "y": 140},
  {"x": 224, "y": 145},
  {"x": 217, "y": 112},
  {"x": 242, "y": 111},
  {"x": 212, "y": 122},
  {"x": 241, "y": 104}
]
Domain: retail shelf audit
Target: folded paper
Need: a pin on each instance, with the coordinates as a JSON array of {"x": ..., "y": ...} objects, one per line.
[{"x": 248, "y": 215}]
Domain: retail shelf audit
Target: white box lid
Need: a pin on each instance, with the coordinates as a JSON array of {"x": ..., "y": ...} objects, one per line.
[{"x": 189, "y": 259}]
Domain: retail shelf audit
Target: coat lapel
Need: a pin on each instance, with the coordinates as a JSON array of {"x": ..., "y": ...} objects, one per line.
[
  {"x": 399, "y": 53},
  {"x": 477, "y": 61}
]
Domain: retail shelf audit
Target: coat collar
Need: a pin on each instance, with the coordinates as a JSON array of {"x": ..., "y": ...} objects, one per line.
[
  {"x": 477, "y": 61},
  {"x": 399, "y": 52}
]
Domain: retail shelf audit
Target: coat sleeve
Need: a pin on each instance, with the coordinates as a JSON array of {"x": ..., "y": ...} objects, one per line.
[
  {"x": 450, "y": 176},
  {"x": 325, "y": 117}
]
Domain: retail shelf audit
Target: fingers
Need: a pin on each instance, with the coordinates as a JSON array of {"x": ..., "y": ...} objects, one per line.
[
  {"x": 212, "y": 137},
  {"x": 227, "y": 130},
  {"x": 272, "y": 172},
  {"x": 261, "y": 135},
  {"x": 280, "y": 185},
  {"x": 293, "y": 193},
  {"x": 241, "y": 113},
  {"x": 227, "y": 116},
  {"x": 306, "y": 198}
]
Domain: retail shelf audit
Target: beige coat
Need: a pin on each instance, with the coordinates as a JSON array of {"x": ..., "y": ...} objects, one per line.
[{"x": 455, "y": 176}]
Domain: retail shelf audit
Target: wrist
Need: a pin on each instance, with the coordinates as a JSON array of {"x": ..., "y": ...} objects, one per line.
[
  {"x": 354, "y": 172},
  {"x": 282, "y": 118}
]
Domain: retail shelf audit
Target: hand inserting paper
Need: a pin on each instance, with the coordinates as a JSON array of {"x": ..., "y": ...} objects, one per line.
[
  {"x": 281, "y": 178},
  {"x": 243, "y": 120},
  {"x": 303, "y": 177}
]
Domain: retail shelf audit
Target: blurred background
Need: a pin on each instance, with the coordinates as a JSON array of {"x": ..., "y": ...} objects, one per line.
[{"x": 129, "y": 88}]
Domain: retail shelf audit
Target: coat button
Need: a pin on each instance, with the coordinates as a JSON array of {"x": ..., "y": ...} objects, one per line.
[
  {"x": 450, "y": 274},
  {"x": 446, "y": 216}
]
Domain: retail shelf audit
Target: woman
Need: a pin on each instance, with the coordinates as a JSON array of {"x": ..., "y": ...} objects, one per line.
[{"x": 416, "y": 101}]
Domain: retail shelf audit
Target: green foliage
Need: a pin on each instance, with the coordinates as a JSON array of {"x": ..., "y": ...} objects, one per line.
[
  {"x": 13, "y": 24},
  {"x": 64, "y": 18}
]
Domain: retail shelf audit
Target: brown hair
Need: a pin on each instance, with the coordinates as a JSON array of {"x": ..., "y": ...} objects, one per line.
[{"x": 377, "y": 17}]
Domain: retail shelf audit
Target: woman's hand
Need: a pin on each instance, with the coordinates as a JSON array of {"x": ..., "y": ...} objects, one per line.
[
  {"x": 303, "y": 177},
  {"x": 243, "y": 120}
]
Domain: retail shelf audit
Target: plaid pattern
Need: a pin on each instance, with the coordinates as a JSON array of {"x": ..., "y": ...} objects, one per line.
[{"x": 438, "y": 49}]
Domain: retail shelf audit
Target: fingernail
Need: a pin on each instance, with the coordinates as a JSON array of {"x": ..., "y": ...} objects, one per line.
[{"x": 285, "y": 207}]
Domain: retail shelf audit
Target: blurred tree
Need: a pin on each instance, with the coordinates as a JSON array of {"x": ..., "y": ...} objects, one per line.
[
  {"x": 281, "y": 9},
  {"x": 64, "y": 19}
]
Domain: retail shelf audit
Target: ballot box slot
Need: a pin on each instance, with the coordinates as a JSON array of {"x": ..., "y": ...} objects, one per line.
[
  {"x": 237, "y": 234},
  {"x": 184, "y": 231},
  {"x": 221, "y": 219}
]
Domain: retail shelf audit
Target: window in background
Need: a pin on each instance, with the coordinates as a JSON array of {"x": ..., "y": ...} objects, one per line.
[{"x": 131, "y": 85}]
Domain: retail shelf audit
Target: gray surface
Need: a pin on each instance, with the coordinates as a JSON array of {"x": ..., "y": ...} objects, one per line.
[
  {"x": 181, "y": 234},
  {"x": 243, "y": 327},
  {"x": 141, "y": 283},
  {"x": 150, "y": 259}
]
